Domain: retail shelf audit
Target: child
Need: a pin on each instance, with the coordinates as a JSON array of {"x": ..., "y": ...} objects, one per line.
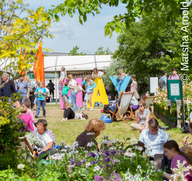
[
  {"x": 41, "y": 93},
  {"x": 120, "y": 79},
  {"x": 26, "y": 118},
  {"x": 63, "y": 74},
  {"x": 89, "y": 86},
  {"x": 29, "y": 111},
  {"x": 65, "y": 94}
]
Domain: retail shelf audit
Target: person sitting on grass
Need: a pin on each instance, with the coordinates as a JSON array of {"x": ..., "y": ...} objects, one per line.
[
  {"x": 142, "y": 117},
  {"x": 26, "y": 104},
  {"x": 173, "y": 153},
  {"x": 41, "y": 93},
  {"x": 47, "y": 141},
  {"x": 27, "y": 118},
  {"x": 154, "y": 138},
  {"x": 64, "y": 94},
  {"x": 70, "y": 114},
  {"x": 92, "y": 131}
]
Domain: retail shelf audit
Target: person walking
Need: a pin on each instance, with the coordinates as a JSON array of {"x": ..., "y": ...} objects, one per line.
[
  {"x": 23, "y": 87},
  {"x": 89, "y": 86},
  {"x": 41, "y": 93},
  {"x": 9, "y": 88},
  {"x": 51, "y": 88},
  {"x": 73, "y": 89}
]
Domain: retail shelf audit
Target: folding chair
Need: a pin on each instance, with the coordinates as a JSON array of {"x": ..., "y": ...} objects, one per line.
[
  {"x": 131, "y": 114},
  {"x": 25, "y": 143},
  {"x": 122, "y": 105},
  {"x": 148, "y": 100}
]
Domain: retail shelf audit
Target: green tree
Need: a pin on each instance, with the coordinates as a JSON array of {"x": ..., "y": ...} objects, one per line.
[
  {"x": 21, "y": 29},
  {"x": 163, "y": 11},
  {"x": 150, "y": 56},
  {"x": 100, "y": 51},
  {"x": 74, "y": 52}
]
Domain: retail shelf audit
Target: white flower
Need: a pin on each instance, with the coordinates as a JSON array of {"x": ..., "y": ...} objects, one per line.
[
  {"x": 85, "y": 151},
  {"x": 20, "y": 166},
  {"x": 104, "y": 142},
  {"x": 112, "y": 148},
  {"x": 89, "y": 133},
  {"x": 133, "y": 141},
  {"x": 90, "y": 144},
  {"x": 88, "y": 164},
  {"x": 139, "y": 148},
  {"x": 97, "y": 168}
]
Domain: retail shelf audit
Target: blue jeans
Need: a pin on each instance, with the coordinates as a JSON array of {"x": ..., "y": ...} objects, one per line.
[
  {"x": 44, "y": 154},
  {"x": 40, "y": 104},
  {"x": 73, "y": 101}
]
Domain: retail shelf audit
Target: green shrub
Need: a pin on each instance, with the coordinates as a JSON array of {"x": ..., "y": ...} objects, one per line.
[{"x": 9, "y": 135}]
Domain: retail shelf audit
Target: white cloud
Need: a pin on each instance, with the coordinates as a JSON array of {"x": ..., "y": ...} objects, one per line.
[{"x": 62, "y": 31}]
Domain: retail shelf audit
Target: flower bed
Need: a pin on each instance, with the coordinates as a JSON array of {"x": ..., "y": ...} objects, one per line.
[
  {"x": 160, "y": 102},
  {"x": 119, "y": 162}
]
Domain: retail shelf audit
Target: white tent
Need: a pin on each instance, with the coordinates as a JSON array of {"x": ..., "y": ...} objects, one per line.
[{"x": 77, "y": 63}]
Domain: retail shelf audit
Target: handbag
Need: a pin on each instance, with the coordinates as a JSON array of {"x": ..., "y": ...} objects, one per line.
[
  {"x": 106, "y": 108},
  {"x": 79, "y": 88}
]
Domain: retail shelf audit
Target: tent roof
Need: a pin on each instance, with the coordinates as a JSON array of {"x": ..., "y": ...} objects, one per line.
[{"x": 77, "y": 63}]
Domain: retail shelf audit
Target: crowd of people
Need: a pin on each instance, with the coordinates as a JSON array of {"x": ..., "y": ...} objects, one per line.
[{"x": 156, "y": 141}]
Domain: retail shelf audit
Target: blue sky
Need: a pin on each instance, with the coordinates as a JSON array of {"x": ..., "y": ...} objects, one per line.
[{"x": 68, "y": 32}]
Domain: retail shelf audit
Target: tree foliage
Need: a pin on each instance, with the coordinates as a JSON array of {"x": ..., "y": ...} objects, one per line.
[
  {"x": 74, "y": 52},
  {"x": 163, "y": 11},
  {"x": 100, "y": 51},
  {"x": 21, "y": 29},
  {"x": 149, "y": 57}
]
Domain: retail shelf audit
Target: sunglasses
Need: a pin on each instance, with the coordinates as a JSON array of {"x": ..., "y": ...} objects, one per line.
[{"x": 140, "y": 105}]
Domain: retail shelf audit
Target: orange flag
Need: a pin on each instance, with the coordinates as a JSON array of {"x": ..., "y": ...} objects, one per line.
[{"x": 38, "y": 67}]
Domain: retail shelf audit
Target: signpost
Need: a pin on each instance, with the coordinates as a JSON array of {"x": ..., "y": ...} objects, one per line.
[{"x": 175, "y": 95}]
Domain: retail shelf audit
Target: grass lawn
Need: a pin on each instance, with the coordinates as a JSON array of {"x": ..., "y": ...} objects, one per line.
[{"x": 68, "y": 131}]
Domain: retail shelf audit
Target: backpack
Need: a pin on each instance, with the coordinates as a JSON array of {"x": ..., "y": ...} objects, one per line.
[
  {"x": 79, "y": 88},
  {"x": 161, "y": 83}
]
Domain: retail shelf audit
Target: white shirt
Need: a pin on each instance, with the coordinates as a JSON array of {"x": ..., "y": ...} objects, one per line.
[
  {"x": 73, "y": 83},
  {"x": 62, "y": 75},
  {"x": 97, "y": 75},
  {"x": 154, "y": 143},
  {"x": 45, "y": 139}
]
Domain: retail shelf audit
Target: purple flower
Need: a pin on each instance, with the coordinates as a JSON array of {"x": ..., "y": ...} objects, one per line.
[
  {"x": 98, "y": 178},
  {"x": 113, "y": 152},
  {"x": 72, "y": 162},
  {"x": 83, "y": 161},
  {"x": 115, "y": 162},
  {"x": 78, "y": 163},
  {"x": 115, "y": 177},
  {"x": 100, "y": 166},
  {"x": 107, "y": 159},
  {"x": 123, "y": 152},
  {"x": 108, "y": 165},
  {"x": 92, "y": 162},
  {"x": 107, "y": 152},
  {"x": 92, "y": 154},
  {"x": 118, "y": 154}
]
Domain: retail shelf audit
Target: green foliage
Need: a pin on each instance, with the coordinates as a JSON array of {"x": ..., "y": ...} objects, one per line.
[
  {"x": 100, "y": 51},
  {"x": 9, "y": 135},
  {"x": 162, "y": 10},
  {"x": 21, "y": 33},
  {"x": 74, "y": 52},
  {"x": 151, "y": 56}
]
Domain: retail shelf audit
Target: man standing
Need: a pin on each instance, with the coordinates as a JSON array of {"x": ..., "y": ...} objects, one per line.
[
  {"x": 9, "y": 88},
  {"x": 51, "y": 88},
  {"x": 23, "y": 88},
  {"x": 154, "y": 138}
]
